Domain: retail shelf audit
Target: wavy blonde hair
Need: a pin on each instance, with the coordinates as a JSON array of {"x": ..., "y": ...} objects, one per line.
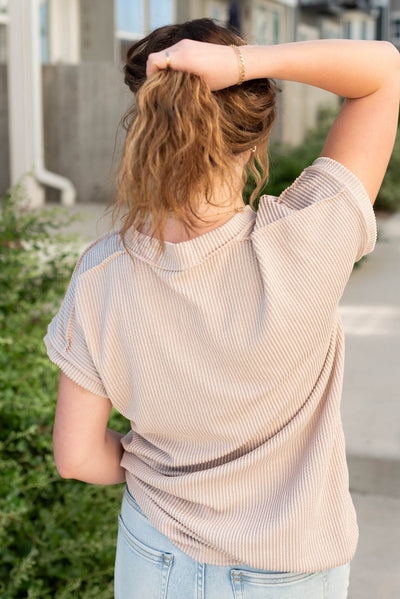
[{"x": 181, "y": 136}]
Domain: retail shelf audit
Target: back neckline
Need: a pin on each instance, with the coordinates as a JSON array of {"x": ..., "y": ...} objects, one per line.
[{"x": 184, "y": 254}]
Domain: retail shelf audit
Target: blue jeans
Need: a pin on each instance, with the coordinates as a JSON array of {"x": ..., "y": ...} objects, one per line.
[{"x": 149, "y": 566}]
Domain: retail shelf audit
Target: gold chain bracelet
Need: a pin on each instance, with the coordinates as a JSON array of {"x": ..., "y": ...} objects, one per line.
[{"x": 242, "y": 66}]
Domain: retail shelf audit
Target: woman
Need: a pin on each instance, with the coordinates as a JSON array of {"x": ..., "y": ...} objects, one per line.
[{"x": 214, "y": 328}]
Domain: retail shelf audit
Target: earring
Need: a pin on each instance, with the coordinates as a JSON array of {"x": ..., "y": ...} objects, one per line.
[{"x": 253, "y": 149}]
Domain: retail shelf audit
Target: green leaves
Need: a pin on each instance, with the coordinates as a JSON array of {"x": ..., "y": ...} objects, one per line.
[{"x": 57, "y": 537}]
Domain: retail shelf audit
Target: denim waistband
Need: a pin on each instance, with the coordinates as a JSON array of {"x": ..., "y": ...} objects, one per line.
[{"x": 132, "y": 502}]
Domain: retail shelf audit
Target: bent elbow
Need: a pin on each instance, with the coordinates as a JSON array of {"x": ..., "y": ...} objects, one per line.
[
  {"x": 390, "y": 61},
  {"x": 63, "y": 470},
  {"x": 393, "y": 55},
  {"x": 67, "y": 464}
]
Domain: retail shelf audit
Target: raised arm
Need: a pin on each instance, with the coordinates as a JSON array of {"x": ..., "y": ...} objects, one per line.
[{"x": 366, "y": 73}]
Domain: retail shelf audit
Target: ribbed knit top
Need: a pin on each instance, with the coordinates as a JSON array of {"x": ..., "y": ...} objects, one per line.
[{"x": 226, "y": 354}]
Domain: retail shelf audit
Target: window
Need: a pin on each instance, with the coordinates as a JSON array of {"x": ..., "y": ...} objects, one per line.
[
  {"x": 44, "y": 31},
  {"x": 396, "y": 29},
  {"x": 347, "y": 30},
  {"x": 218, "y": 11},
  {"x": 130, "y": 19},
  {"x": 161, "y": 13},
  {"x": 306, "y": 33},
  {"x": 364, "y": 35},
  {"x": 267, "y": 24},
  {"x": 261, "y": 19},
  {"x": 136, "y": 18},
  {"x": 4, "y": 19},
  {"x": 3, "y": 43},
  {"x": 275, "y": 27}
]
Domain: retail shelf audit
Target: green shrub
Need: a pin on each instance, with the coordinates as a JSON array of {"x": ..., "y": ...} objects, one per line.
[{"x": 57, "y": 537}]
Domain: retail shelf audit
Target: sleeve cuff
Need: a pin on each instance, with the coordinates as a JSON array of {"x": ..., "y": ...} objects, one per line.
[{"x": 73, "y": 372}]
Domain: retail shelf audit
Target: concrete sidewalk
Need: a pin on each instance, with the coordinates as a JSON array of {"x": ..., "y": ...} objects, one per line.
[{"x": 370, "y": 311}]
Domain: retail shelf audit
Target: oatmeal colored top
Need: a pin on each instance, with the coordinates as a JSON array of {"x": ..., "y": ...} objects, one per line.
[{"x": 226, "y": 355}]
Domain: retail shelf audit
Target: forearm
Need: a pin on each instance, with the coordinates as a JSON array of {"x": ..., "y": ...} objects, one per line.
[
  {"x": 348, "y": 68},
  {"x": 102, "y": 467}
]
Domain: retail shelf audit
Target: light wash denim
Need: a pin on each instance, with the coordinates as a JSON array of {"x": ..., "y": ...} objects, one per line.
[{"x": 149, "y": 566}]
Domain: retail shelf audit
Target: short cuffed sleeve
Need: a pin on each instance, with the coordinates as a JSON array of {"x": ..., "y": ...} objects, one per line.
[
  {"x": 325, "y": 193},
  {"x": 66, "y": 341}
]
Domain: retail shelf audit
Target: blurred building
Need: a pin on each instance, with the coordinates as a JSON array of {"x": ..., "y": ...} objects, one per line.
[
  {"x": 67, "y": 129},
  {"x": 351, "y": 19},
  {"x": 395, "y": 23}
]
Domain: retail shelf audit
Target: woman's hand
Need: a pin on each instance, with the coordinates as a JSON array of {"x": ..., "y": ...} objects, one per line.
[{"x": 216, "y": 64}]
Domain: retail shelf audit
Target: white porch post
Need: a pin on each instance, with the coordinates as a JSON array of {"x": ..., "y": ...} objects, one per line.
[
  {"x": 26, "y": 106},
  {"x": 20, "y": 99}
]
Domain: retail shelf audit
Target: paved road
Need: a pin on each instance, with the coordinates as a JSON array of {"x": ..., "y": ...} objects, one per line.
[{"x": 370, "y": 311}]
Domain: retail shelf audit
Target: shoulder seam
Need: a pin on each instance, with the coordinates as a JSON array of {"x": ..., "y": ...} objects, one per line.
[
  {"x": 90, "y": 246},
  {"x": 106, "y": 260},
  {"x": 296, "y": 213}
]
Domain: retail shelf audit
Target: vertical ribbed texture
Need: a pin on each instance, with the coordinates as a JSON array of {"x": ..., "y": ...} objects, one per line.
[{"x": 227, "y": 356}]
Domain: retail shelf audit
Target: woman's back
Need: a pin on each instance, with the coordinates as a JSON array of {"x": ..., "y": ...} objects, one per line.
[
  {"x": 220, "y": 340},
  {"x": 234, "y": 399}
]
